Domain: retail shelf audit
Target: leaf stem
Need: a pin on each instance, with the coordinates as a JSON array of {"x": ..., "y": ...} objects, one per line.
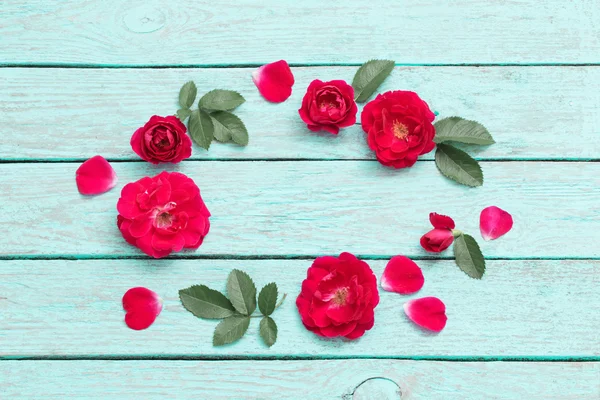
[
  {"x": 281, "y": 301},
  {"x": 276, "y": 307}
]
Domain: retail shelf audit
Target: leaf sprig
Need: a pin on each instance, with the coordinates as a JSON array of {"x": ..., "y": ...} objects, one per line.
[
  {"x": 236, "y": 310},
  {"x": 213, "y": 119},
  {"x": 454, "y": 163}
]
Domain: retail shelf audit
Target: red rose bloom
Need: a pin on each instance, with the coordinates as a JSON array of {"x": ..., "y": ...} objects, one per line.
[
  {"x": 163, "y": 214},
  {"x": 338, "y": 297},
  {"x": 398, "y": 127},
  {"x": 328, "y": 106},
  {"x": 441, "y": 237},
  {"x": 162, "y": 139}
]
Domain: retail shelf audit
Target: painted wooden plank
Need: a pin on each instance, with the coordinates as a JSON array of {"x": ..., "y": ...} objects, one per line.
[
  {"x": 299, "y": 208},
  {"x": 161, "y": 32},
  {"x": 533, "y": 112},
  {"x": 533, "y": 308},
  {"x": 333, "y": 379}
]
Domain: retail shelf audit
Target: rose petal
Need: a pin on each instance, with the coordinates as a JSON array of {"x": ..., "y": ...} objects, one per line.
[
  {"x": 494, "y": 222},
  {"x": 95, "y": 176},
  {"x": 274, "y": 81},
  {"x": 441, "y": 221},
  {"x": 427, "y": 312},
  {"x": 402, "y": 275},
  {"x": 142, "y": 306}
]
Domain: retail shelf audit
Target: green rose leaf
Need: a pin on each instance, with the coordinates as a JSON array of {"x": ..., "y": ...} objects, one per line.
[
  {"x": 458, "y": 165},
  {"x": 221, "y": 100},
  {"x": 229, "y": 127},
  {"x": 187, "y": 94},
  {"x": 468, "y": 256},
  {"x": 457, "y": 129},
  {"x": 268, "y": 331},
  {"x": 230, "y": 329},
  {"x": 183, "y": 113},
  {"x": 267, "y": 299},
  {"x": 242, "y": 292},
  {"x": 201, "y": 128},
  {"x": 204, "y": 302},
  {"x": 369, "y": 77}
]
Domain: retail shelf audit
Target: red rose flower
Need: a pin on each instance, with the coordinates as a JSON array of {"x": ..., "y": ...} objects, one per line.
[
  {"x": 441, "y": 237},
  {"x": 162, "y": 139},
  {"x": 328, "y": 106},
  {"x": 338, "y": 297},
  {"x": 398, "y": 127},
  {"x": 163, "y": 214}
]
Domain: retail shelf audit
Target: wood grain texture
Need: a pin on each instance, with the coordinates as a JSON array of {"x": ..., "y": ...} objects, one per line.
[
  {"x": 533, "y": 112},
  {"x": 121, "y": 32},
  {"x": 322, "y": 380},
  {"x": 306, "y": 208},
  {"x": 520, "y": 309}
]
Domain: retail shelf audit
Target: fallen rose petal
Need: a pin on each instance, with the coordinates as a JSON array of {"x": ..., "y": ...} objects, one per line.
[
  {"x": 402, "y": 275},
  {"x": 494, "y": 222},
  {"x": 142, "y": 306},
  {"x": 95, "y": 176},
  {"x": 440, "y": 221},
  {"x": 427, "y": 312},
  {"x": 274, "y": 81}
]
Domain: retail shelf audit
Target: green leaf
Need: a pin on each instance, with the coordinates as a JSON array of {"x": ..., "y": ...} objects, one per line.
[
  {"x": 458, "y": 165},
  {"x": 228, "y": 126},
  {"x": 468, "y": 256},
  {"x": 267, "y": 299},
  {"x": 369, "y": 77},
  {"x": 221, "y": 100},
  {"x": 242, "y": 292},
  {"x": 230, "y": 329},
  {"x": 183, "y": 113},
  {"x": 268, "y": 331},
  {"x": 201, "y": 128},
  {"x": 204, "y": 302},
  {"x": 457, "y": 129},
  {"x": 187, "y": 94}
]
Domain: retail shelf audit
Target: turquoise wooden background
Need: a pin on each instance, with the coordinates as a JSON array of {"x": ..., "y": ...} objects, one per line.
[{"x": 78, "y": 77}]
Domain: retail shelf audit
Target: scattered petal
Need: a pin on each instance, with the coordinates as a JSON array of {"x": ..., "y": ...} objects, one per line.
[
  {"x": 440, "y": 221},
  {"x": 142, "y": 306},
  {"x": 95, "y": 176},
  {"x": 402, "y": 275},
  {"x": 427, "y": 312},
  {"x": 274, "y": 81},
  {"x": 494, "y": 222}
]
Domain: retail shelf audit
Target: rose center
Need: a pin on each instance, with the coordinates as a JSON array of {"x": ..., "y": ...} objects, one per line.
[
  {"x": 339, "y": 297},
  {"x": 399, "y": 130},
  {"x": 163, "y": 220}
]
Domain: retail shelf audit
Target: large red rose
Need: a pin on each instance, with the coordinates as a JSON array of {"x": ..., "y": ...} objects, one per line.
[
  {"x": 338, "y": 297},
  {"x": 328, "y": 106},
  {"x": 163, "y": 214},
  {"x": 399, "y": 129},
  {"x": 162, "y": 139}
]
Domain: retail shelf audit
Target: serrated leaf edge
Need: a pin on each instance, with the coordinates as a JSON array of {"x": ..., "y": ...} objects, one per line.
[
  {"x": 449, "y": 177},
  {"x": 468, "y": 120}
]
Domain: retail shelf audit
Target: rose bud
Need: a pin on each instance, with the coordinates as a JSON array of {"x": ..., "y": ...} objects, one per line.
[
  {"x": 442, "y": 236},
  {"x": 328, "y": 106}
]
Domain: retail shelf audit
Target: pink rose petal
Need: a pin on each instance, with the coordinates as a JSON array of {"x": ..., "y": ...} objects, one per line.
[
  {"x": 402, "y": 275},
  {"x": 142, "y": 307},
  {"x": 427, "y": 312},
  {"x": 440, "y": 221},
  {"x": 95, "y": 176},
  {"x": 274, "y": 81},
  {"x": 494, "y": 222}
]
